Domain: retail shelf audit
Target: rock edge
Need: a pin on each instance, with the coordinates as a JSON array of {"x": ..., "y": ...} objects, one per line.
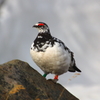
[{"x": 19, "y": 81}]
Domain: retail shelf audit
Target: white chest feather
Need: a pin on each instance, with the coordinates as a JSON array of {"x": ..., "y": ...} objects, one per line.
[{"x": 54, "y": 60}]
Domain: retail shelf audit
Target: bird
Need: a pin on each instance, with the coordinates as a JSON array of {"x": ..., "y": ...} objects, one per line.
[{"x": 51, "y": 54}]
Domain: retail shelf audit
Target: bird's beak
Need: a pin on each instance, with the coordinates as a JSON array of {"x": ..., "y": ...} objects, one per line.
[{"x": 35, "y": 26}]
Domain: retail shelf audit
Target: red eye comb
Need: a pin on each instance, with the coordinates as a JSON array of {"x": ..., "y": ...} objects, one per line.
[{"x": 40, "y": 24}]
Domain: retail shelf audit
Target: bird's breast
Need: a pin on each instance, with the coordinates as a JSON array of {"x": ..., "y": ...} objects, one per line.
[{"x": 54, "y": 60}]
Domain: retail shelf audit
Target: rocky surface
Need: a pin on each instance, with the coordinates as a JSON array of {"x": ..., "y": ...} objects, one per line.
[{"x": 19, "y": 81}]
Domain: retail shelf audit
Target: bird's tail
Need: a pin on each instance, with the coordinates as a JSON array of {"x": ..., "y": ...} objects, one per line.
[{"x": 73, "y": 69}]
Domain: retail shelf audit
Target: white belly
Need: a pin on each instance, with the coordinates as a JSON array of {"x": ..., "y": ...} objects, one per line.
[{"x": 54, "y": 60}]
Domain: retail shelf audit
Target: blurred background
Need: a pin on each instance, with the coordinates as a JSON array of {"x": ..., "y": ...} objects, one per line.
[{"x": 75, "y": 22}]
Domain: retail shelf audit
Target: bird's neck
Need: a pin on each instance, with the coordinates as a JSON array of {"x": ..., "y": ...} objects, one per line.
[
  {"x": 44, "y": 33},
  {"x": 44, "y": 30},
  {"x": 43, "y": 37}
]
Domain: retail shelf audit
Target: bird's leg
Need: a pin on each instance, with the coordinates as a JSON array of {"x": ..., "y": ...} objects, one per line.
[
  {"x": 44, "y": 75},
  {"x": 56, "y": 78}
]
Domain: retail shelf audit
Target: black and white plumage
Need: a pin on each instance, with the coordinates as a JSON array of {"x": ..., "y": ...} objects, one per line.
[{"x": 50, "y": 53}]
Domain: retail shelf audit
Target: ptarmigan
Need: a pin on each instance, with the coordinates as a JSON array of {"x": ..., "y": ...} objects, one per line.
[{"x": 51, "y": 54}]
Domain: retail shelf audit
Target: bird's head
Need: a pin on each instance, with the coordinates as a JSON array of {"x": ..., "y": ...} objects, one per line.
[{"x": 42, "y": 27}]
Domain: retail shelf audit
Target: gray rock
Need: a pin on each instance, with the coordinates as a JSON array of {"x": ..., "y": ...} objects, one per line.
[{"x": 19, "y": 81}]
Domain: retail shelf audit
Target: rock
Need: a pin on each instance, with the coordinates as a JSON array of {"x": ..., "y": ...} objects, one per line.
[{"x": 19, "y": 81}]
